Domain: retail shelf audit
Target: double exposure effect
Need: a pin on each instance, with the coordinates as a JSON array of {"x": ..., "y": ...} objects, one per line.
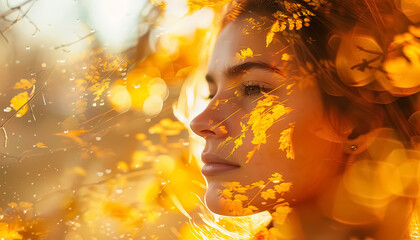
[{"x": 222, "y": 119}]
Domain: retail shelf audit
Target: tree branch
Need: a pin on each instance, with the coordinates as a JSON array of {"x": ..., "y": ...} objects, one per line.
[
  {"x": 27, "y": 102},
  {"x": 19, "y": 17},
  {"x": 69, "y": 44}
]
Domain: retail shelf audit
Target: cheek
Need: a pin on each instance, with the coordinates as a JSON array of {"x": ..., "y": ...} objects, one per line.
[
  {"x": 317, "y": 162},
  {"x": 268, "y": 159},
  {"x": 265, "y": 162},
  {"x": 298, "y": 154}
]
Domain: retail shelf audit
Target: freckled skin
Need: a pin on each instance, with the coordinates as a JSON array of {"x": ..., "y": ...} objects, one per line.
[{"x": 317, "y": 158}]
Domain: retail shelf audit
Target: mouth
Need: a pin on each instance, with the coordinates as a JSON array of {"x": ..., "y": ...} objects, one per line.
[{"x": 214, "y": 165}]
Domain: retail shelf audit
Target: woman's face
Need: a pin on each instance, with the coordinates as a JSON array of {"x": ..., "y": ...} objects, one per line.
[{"x": 287, "y": 132}]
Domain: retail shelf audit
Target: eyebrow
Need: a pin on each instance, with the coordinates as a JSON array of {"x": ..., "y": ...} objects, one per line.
[{"x": 240, "y": 69}]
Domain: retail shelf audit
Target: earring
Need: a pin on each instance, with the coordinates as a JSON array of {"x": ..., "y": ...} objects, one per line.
[{"x": 353, "y": 147}]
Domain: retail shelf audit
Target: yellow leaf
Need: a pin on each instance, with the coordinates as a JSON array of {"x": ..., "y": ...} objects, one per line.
[
  {"x": 270, "y": 35},
  {"x": 238, "y": 142},
  {"x": 281, "y": 213},
  {"x": 285, "y": 57},
  {"x": 286, "y": 142},
  {"x": 251, "y": 153},
  {"x": 269, "y": 194},
  {"x": 276, "y": 177},
  {"x": 279, "y": 15},
  {"x": 235, "y": 206},
  {"x": 228, "y": 139},
  {"x": 18, "y": 101},
  {"x": 241, "y": 197},
  {"x": 282, "y": 187},
  {"x": 259, "y": 184},
  {"x": 223, "y": 129},
  {"x": 246, "y": 53},
  {"x": 231, "y": 185},
  {"x": 261, "y": 118},
  {"x": 24, "y": 84},
  {"x": 98, "y": 88},
  {"x": 226, "y": 193},
  {"x": 41, "y": 145}
]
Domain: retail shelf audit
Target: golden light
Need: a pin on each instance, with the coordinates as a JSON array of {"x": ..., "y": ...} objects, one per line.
[
  {"x": 364, "y": 182},
  {"x": 169, "y": 44},
  {"x": 152, "y": 105},
  {"x": 158, "y": 87},
  {"x": 120, "y": 98},
  {"x": 402, "y": 180},
  {"x": 122, "y": 166},
  {"x": 410, "y": 8},
  {"x": 164, "y": 164},
  {"x": 137, "y": 159}
]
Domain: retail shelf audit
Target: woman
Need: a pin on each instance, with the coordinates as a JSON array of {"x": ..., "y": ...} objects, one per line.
[{"x": 313, "y": 117}]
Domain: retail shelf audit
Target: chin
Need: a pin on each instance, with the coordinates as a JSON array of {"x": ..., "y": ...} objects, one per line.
[
  {"x": 218, "y": 205},
  {"x": 214, "y": 202},
  {"x": 212, "y": 199}
]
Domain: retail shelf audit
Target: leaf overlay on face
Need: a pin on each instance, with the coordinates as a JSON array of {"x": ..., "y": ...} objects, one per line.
[
  {"x": 238, "y": 202},
  {"x": 285, "y": 141},
  {"x": 245, "y": 53},
  {"x": 267, "y": 111},
  {"x": 262, "y": 117},
  {"x": 269, "y": 194}
]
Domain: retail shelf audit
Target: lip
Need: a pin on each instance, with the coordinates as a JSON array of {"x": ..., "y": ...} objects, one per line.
[{"x": 214, "y": 165}]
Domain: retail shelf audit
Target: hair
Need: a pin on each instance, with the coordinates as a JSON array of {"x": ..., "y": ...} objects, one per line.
[{"x": 369, "y": 105}]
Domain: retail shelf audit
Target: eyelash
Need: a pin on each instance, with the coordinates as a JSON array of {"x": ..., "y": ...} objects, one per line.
[
  {"x": 248, "y": 89},
  {"x": 251, "y": 89}
]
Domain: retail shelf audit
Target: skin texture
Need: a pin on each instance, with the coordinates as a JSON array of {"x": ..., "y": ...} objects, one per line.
[{"x": 319, "y": 155}]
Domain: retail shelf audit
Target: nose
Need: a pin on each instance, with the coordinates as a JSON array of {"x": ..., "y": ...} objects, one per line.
[{"x": 209, "y": 123}]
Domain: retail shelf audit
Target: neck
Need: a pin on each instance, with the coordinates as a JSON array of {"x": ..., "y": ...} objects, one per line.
[{"x": 310, "y": 221}]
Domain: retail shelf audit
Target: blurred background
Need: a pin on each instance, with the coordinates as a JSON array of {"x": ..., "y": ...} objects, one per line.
[{"x": 90, "y": 147}]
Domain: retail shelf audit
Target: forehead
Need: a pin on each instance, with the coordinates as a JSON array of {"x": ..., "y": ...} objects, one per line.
[{"x": 238, "y": 36}]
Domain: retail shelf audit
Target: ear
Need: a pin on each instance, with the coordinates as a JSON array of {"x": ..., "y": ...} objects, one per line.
[{"x": 359, "y": 140}]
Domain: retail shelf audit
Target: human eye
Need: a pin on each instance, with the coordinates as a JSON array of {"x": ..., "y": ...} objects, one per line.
[
  {"x": 253, "y": 88},
  {"x": 210, "y": 96},
  {"x": 212, "y": 89}
]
